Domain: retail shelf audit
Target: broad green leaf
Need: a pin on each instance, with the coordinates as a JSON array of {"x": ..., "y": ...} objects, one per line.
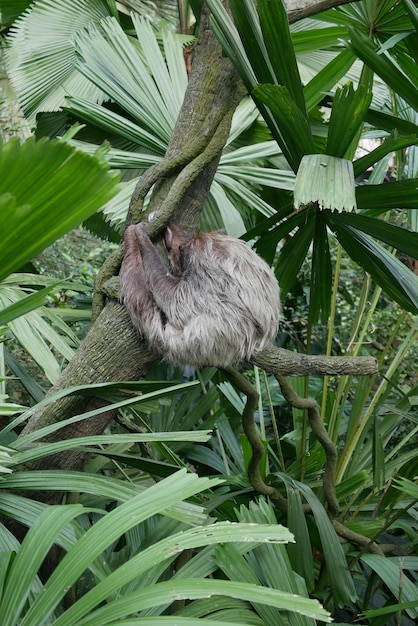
[
  {"x": 236, "y": 568},
  {"x": 30, "y": 556},
  {"x": 391, "y": 123},
  {"x": 400, "y": 238},
  {"x": 83, "y": 443},
  {"x": 321, "y": 281},
  {"x": 108, "y": 529},
  {"x": 41, "y": 57},
  {"x": 390, "y": 571},
  {"x": 325, "y": 181},
  {"x": 327, "y": 77},
  {"x": 378, "y": 457},
  {"x": 412, "y": 11},
  {"x": 295, "y": 138},
  {"x": 92, "y": 389},
  {"x": 396, "y": 195},
  {"x": 294, "y": 251},
  {"x": 247, "y": 23},
  {"x": 26, "y": 304},
  {"x": 390, "y": 144},
  {"x": 46, "y": 188},
  {"x": 348, "y": 112},
  {"x": 11, "y": 9},
  {"x": 337, "y": 571},
  {"x": 105, "y": 488},
  {"x": 408, "y": 487},
  {"x": 271, "y": 563},
  {"x": 305, "y": 41},
  {"x": 392, "y": 275},
  {"x": 353, "y": 483},
  {"x": 227, "y": 35},
  {"x": 276, "y": 36},
  {"x": 233, "y": 617},
  {"x": 302, "y": 546},
  {"x": 165, "y": 593},
  {"x": 166, "y": 550},
  {"x": 267, "y": 244},
  {"x": 143, "y": 88},
  {"x": 383, "y": 65},
  {"x": 112, "y": 122}
]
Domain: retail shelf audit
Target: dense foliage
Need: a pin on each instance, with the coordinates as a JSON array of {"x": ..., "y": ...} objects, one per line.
[{"x": 163, "y": 525}]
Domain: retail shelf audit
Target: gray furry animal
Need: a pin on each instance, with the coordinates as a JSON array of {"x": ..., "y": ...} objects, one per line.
[{"x": 217, "y": 306}]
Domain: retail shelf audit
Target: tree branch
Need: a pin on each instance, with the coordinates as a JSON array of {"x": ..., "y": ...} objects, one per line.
[
  {"x": 279, "y": 361},
  {"x": 298, "y": 9}
]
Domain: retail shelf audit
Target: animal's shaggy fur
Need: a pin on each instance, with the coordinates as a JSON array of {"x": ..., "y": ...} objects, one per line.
[{"x": 219, "y": 304}]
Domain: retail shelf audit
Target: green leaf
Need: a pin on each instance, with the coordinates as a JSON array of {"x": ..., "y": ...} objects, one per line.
[
  {"x": 390, "y": 144},
  {"x": 312, "y": 39},
  {"x": 389, "y": 570},
  {"x": 26, "y": 304},
  {"x": 146, "y": 89},
  {"x": 46, "y": 188},
  {"x": 11, "y": 9},
  {"x": 392, "y": 275},
  {"x": 291, "y": 129},
  {"x": 327, "y": 77},
  {"x": 326, "y": 181},
  {"x": 400, "y": 238},
  {"x": 275, "y": 28},
  {"x": 338, "y": 573},
  {"x": 348, "y": 112},
  {"x": 247, "y": 23},
  {"x": 407, "y": 487},
  {"x": 107, "y": 530},
  {"x": 302, "y": 546},
  {"x": 233, "y": 564},
  {"x": 383, "y": 65},
  {"x": 412, "y": 11},
  {"x": 391, "y": 123},
  {"x": 294, "y": 251},
  {"x": 228, "y": 36},
  {"x": 29, "y": 558},
  {"x": 321, "y": 271},
  {"x": 100, "y": 486},
  {"x": 164, "y": 593},
  {"x": 396, "y": 195},
  {"x": 112, "y": 122},
  {"x": 41, "y": 57}
]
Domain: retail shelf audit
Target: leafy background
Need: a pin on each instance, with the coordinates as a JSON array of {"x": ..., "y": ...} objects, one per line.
[{"x": 138, "y": 533}]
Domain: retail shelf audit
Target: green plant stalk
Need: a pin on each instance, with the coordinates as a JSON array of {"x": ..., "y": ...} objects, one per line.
[
  {"x": 344, "y": 384},
  {"x": 261, "y": 414},
  {"x": 353, "y": 437},
  {"x": 331, "y": 323},
  {"x": 274, "y": 423},
  {"x": 354, "y": 434},
  {"x": 368, "y": 319},
  {"x": 2, "y": 369},
  {"x": 223, "y": 452},
  {"x": 410, "y": 436},
  {"x": 306, "y": 390}
]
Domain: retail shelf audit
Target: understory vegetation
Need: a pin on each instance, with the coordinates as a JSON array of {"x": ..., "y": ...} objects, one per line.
[{"x": 127, "y": 491}]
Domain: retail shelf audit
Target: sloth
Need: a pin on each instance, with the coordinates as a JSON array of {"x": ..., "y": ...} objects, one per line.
[{"x": 218, "y": 303}]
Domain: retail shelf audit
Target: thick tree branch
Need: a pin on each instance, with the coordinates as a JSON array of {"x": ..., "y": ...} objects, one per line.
[
  {"x": 298, "y": 9},
  {"x": 278, "y": 361}
]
